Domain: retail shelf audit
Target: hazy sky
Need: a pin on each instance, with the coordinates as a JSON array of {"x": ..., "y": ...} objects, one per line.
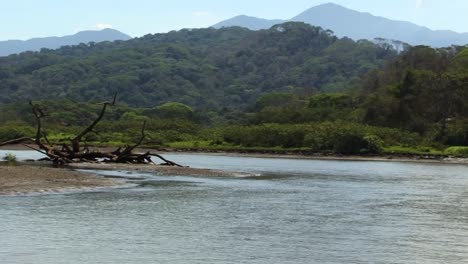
[{"x": 24, "y": 19}]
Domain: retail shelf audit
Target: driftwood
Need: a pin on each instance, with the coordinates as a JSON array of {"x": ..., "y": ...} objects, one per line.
[
  {"x": 16, "y": 141},
  {"x": 75, "y": 153}
]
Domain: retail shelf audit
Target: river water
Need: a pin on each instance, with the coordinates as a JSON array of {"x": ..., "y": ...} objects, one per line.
[{"x": 291, "y": 211}]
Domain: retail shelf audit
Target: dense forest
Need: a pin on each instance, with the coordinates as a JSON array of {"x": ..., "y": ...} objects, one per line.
[
  {"x": 293, "y": 88},
  {"x": 204, "y": 68}
]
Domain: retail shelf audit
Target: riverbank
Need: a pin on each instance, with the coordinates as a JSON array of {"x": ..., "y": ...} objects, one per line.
[
  {"x": 18, "y": 179},
  {"x": 388, "y": 157},
  {"x": 34, "y": 177},
  {"x": 156, "y": 169},
  {"x": 29, "y": 177},
  {"x": 395, "y": 157}
]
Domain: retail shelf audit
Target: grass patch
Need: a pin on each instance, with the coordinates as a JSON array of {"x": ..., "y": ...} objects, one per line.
[
  {"x": 420, "y": 150},
  {"x": 458, "y": 151},
  {"x": 216, "y": 146}
]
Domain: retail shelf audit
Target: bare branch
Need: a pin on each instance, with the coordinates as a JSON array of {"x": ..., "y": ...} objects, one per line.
[
  {"x": 76, "y": 141},
  {"x": 142, "y": 137},
  {"x": 38, "y": 150},
  {"x": 16, "y": 141},
  {"x": 39, "y": 114},
  {"x": 168, "y": 162}
]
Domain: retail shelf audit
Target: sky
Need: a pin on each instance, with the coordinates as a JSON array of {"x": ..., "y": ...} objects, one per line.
[{"x": 25, "y": 19}]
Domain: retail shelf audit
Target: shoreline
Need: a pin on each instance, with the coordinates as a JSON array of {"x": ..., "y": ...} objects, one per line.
[
  {"x": 23, "y": 179},
  {"x": 26, "y": 178},
  {"x": 156, "y": 169},
  {"x": 418, "y": 158},
  {"x": 318, "y": 156}
]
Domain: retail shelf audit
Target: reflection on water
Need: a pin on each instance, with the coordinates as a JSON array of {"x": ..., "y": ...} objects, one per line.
[{"x": 296, "y": 211}]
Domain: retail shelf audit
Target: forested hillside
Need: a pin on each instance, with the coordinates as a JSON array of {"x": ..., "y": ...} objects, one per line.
[
  {"x": 291, "y": 88},
  {"x": 423, "y": 91},
  {"x": 204, "y": 68}
]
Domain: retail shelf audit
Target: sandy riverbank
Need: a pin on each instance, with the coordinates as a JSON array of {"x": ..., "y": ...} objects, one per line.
[
  {"x": 157, "y": 169},
  {"x": 24, "y": 179}
]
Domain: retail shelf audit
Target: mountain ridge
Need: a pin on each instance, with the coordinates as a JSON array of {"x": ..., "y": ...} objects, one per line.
[
  {"x": 9, "y": 47},
  {"x": 345, "y": 22}
]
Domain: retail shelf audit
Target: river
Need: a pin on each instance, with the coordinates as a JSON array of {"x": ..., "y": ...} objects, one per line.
[{"x": 291, "y": 211}]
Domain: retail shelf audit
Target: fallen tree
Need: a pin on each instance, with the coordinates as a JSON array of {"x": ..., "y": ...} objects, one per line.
[{"x": 74, "y": 152}]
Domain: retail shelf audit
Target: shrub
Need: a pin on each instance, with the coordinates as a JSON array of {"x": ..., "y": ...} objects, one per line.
[
  {"x": 12, "y": 130},
  {"x": 349, "y": 143},
  {"x": 174, "y": 110},
  {"x": 374, "y": 144},
  {"x": 338, "y": 136},
  {"x": 457, "y": 151},
  {"x": 9, "y": 157}
]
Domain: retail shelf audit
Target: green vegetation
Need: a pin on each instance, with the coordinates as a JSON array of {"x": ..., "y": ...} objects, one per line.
[
  {"x": 9, "y": 157},
  {"x": 122, "y": 125},
  {"x": 457, "y": 151},
  {"x": 223, "y": 70},
  {"x": 293, "y": 88}
]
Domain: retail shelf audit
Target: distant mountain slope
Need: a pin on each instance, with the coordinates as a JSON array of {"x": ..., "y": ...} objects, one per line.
[
  {"x": 358, "y": 25},
  {"x": 251, "y": 23},
  {"x": 16, "y": 46}
]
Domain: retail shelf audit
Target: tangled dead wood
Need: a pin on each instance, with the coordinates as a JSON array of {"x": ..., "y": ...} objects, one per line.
[{"x": 75, "y": 152}]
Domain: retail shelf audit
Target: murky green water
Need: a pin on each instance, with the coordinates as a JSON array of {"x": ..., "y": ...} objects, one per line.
[{"x": 294, "y": 211}]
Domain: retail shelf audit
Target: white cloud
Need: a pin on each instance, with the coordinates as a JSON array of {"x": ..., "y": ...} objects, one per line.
[
  {"x": 419, "y": 4},
  {"x": 201, "y": 14},
  {"x": 101, "y": 26}
]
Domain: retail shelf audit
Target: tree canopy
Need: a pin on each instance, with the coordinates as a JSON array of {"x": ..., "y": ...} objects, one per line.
[{"x": 207, "y": 68}]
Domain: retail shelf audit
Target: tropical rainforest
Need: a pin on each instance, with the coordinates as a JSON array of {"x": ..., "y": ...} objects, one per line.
[{"x": 291, "y": 88}]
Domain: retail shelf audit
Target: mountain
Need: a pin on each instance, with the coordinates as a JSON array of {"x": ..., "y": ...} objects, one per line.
[
  {"x": 16, "y": 46},
  {"x": 251, "y": 23},
  {"x": 358, "y": 25}
]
